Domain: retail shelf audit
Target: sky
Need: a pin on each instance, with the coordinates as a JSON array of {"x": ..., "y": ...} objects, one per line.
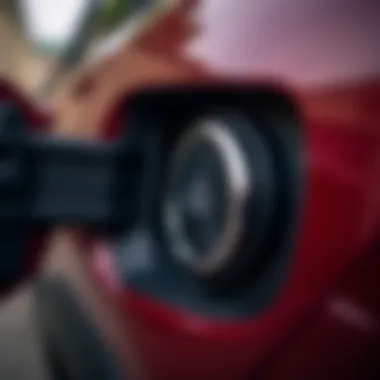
[{"x": 52, "y": 22}]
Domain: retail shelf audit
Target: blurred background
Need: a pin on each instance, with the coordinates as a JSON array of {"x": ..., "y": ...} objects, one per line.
[{"x": 43, "y": 41}]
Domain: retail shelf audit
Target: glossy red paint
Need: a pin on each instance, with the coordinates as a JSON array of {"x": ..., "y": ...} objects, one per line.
[
  {"x": 327, "y": 53},
  {"x": 343, "y": 336},
  {"x": 176, "y": 344}
]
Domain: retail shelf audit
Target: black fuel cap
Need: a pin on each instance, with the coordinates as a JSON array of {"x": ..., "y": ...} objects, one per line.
[
  {"x": 219, "y": 198},
  {"x": 201, "y": 193}
]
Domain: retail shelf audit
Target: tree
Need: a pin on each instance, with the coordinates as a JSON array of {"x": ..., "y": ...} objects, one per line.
[{"x": 113, "y": 12}]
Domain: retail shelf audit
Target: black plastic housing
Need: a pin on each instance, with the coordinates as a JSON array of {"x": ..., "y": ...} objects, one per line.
[{"x": 47, "y": 181}]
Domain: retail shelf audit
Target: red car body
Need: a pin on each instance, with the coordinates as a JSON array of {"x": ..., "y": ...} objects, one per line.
[{"x": 325, "y": 320}]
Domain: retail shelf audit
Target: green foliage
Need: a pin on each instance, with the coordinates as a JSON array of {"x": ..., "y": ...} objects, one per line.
[{"x": 113, "y": 12}]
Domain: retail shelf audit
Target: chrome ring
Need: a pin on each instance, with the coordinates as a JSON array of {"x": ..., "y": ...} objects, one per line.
[{"x": 239, "y": 187}]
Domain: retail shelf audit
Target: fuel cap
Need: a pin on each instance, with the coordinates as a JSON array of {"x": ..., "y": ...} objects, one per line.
[{"x": 218, "y": 201}]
